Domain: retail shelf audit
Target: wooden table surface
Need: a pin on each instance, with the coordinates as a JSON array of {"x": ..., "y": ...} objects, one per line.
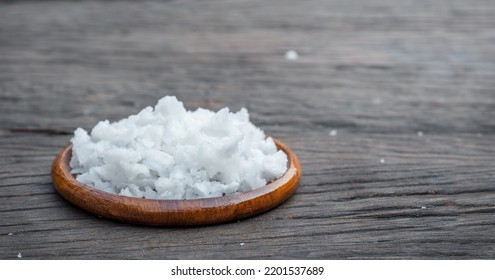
[{"x": 408, "y": 87}]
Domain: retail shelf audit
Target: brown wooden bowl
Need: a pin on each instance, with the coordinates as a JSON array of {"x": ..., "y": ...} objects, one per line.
[{"x": 175, "y": 212}]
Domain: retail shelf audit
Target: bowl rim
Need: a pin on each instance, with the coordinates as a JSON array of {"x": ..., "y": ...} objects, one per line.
[{"x": 168, "y": 212}]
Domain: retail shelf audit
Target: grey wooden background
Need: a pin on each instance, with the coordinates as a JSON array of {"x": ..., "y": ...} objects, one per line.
[{"x": 409, "y": 82}]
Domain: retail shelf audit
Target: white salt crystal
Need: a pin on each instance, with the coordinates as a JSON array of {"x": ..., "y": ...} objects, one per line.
[
  {"x": 19, "y": 256},
  {"x": 382, "y": 160},
  {"x": 423, "y": 207},
  {"x": 242, "y": 244},
  {"x": 333, "y": 132},
  {"x": 10, "y": 234},
  {"x": 171, "y": 153},
  {"x": 377, "y": 101},
  {"x": 420, "y": 133},
  {"x": 291, "y": 55}
]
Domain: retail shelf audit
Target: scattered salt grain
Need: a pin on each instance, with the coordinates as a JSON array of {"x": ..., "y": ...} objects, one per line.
[
  {"x": 171, "y": 153},
  {"x": 291, "y": 55},
  {"x": 382, "y": 160},
  {"x": 423, "y": 207},
  {"x": 11, "y": 234},
  {"x": 333, "y": 132},
  {"x": 242, "y": 244},
  {"x": 19, "y": 256},
  {"x": 420, "y": 133},
  {"x": 377, "y": 101}
]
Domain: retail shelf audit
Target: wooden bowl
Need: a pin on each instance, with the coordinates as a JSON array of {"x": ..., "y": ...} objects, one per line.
[{"x": 175, "y": 212}]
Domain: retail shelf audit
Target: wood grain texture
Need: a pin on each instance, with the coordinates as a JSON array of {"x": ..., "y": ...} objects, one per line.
[
  {"x": 161, "y": 212},
  {"x": 378, "y": 72}
]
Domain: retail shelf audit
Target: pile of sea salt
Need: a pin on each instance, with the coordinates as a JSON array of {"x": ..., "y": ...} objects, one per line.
[{"x": 171, "y": 153}]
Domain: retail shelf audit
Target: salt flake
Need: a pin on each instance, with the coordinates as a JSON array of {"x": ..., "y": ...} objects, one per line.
[
  {"x": 291, "y": 55},
  {"x": 377, "y": 101},
  {"x": 168, "y": 152}
]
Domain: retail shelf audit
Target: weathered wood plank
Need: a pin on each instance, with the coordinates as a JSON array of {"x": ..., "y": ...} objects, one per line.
[{"x": 378, "y": 72}]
